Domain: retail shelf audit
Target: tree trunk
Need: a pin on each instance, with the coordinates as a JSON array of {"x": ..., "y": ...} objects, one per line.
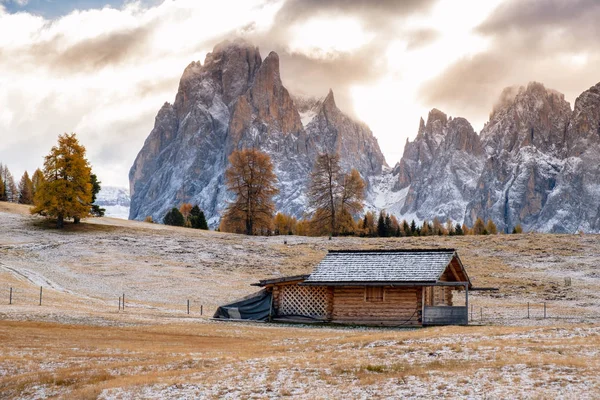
[
  {"x": 76, "y": 220},
  {"x": 331, "y": 199},
  {"x": 60, "y": 222}
]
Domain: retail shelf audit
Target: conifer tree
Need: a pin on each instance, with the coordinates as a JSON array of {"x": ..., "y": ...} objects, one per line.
[
  {"x": 405, "y": 228},
  {"x": 333, "y": 195},
  {"x": 413, "y": 228},
  {"x": 197, "y": 218},
  {"x": 324, "y": 191},
  {"x": 185, "y": 210},
  {"x": 251, "y": 179},
  {"x": 25, "y": 190},
  {"x": 381, "y": 230},
  {"x": 174, "y": 218},
  {"x": 425, "y": 231},
  {"x": 479, "y": 227},
  {"x": 2, "y": 187},
  {"x": 458, "y": 230},
  {"x": 352, "y": 193},
  {"x": 345, "y": 225},
  {"x": 369, "y": 228},
  {"x": 388, "y": 226},
  {"x": 66, "y": 191},
  {"x": 10, "y": 192},
  {"x": 36, "y": 180},
  {"x": 465, "y": 229},
  {"x": 284, "y": 224},
  {"x": 97, "y": 211}
]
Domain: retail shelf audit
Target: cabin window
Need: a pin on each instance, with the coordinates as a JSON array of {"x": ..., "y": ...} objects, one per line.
[{"x": 374, "y": 294}]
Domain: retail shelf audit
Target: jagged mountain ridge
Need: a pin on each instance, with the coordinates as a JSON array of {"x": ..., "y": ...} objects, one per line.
[
  {"x": 237, "y": 100},
  {"x": 535, "y": 163}
]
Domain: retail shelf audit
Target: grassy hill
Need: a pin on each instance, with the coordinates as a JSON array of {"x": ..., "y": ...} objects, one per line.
[{"x": 79, "y": 345}]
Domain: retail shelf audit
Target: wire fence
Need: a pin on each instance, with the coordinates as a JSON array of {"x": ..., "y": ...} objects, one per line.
[
  {"x": 29, "y": 297},
  {"x": 499, "y": 313},
  {"x": 545, "y": 310}
]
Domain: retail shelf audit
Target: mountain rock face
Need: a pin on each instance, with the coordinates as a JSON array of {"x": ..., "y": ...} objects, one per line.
[
  {"x": 354, "y": 141},
  {"x": 237, "y": 100},
  {"x": 574, "y": 203},
  {"x": 438, "y": 168},
  {"x": 525, "y": 145},
  {"x": 535, "y": 163}
]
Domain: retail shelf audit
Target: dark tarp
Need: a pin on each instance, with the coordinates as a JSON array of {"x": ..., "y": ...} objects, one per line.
[{"x": 255, "y": 307}]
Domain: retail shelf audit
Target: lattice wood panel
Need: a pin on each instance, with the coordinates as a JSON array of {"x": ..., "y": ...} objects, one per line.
[{"x": 303, "y": 300}]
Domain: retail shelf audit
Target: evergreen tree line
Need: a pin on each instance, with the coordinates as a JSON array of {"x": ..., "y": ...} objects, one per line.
[
  {"x": 387, "y": 225},
  {"x": 24, "y": 192},
  {"x": 187, "y": 215},
  {"x": 335, "y": 201}
]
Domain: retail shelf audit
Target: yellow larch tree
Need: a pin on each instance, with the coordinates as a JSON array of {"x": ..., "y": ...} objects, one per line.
[{"x": 66, "y": 190}]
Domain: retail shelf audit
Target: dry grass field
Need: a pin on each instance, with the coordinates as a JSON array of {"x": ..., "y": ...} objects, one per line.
[
  {"x": 228, "y": 360},
  {"x": 79, "y": 345}
]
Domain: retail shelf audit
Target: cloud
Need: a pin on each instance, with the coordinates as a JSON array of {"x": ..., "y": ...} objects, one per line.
[
  {"x": 374, "y": 13},
  {"x": 88, "y": 55},
  {"x": 552, "y": 41},
  {"x": 536, "y": 14},
  {"x": 104, "y": 73}
]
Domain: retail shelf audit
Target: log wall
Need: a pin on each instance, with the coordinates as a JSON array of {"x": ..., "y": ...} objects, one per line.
[{"x": 399, "y": 306}]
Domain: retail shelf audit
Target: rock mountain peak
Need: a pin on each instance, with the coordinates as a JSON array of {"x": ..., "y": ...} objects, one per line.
[
  {"x": 236, "y": 100},
  {"x": 535, "y": 162}
]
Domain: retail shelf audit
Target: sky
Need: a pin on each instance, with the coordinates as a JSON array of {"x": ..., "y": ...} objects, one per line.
[{"x": 103, "y": 68}]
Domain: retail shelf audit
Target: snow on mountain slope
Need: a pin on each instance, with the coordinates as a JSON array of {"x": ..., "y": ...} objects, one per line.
[
  {"x": 535, "y": 163},
  {"x": 237, "y": 100},
  {"x": 115, "y": 200}
]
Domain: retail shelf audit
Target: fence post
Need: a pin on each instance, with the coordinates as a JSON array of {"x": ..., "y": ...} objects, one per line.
[
  {"x": 188, "y": 304},
  {"x": 123, "y": 301},
  {"x": 544, "y": 310},
  {"x": 481, "y": 313},
  {"x": 527, "y": 310},
  {"x": 201, "y": 308},
  {"x": 471, "y": 312},
  {"x": 119, "y": 303},
  {"x": 40, "y": 295},
  {"x": 10, "y": 297}
]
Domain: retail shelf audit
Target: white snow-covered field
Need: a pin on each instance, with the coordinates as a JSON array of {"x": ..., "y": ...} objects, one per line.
[{"x": 79, "y": 345}]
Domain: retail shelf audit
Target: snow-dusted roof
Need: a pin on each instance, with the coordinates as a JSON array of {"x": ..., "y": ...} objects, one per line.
[{"x": 385, "y": 266}]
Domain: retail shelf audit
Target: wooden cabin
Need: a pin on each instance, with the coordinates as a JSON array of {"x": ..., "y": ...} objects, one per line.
[
  {"x": 364, "y": 287},
  {"x": 382, "y": 287}
]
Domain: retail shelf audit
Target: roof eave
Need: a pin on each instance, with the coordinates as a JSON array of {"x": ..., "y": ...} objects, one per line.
[
  {"x": 369, "y": 283},
  {"x": 462, "y": 268},
  {"x": 283, "y": 279}
]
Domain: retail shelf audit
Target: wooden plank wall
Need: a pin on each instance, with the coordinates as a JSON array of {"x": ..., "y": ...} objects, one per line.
[
  {"x": 276, "y": 297},
  {"x": 398, "y": 306},
  {"x": 440, "y": 295}
]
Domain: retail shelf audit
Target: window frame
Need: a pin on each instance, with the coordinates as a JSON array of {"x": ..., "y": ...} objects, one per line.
[{"x": 373, "y": 297}]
